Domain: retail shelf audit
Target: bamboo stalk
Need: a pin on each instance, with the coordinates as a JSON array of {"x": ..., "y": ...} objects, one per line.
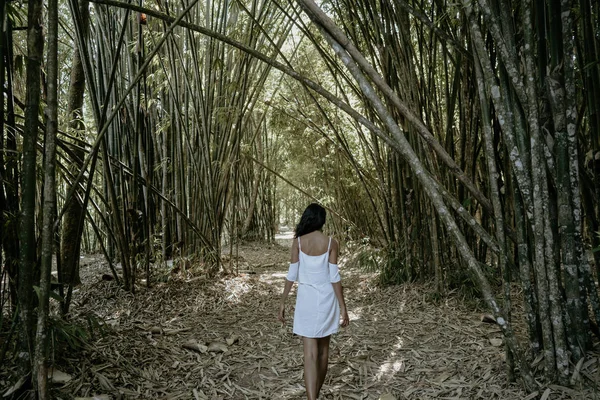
[{"x": 49, "y": 206}]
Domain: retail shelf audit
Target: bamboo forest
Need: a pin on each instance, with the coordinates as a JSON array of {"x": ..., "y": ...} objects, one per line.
[{"x": 156, "y": 157}]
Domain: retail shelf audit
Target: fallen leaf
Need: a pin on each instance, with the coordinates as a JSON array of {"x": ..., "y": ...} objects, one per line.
[
  {"x": 546, "y": 394},
  {"x": 233, "y": 339},
  {"x": 156, "y": 330},
  {"x": 105, "y": 383},
  {"x": 194, "y": 345},
  {"x": 217, "y": 347},
  {"x": 58, "y": 377},
  {"x": 443, "y": 377},
  {"x": 16, "y": 386},
  {"x": 488, "y": 318}
]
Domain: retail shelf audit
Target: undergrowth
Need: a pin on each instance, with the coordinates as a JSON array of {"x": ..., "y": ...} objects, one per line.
[
  {"x": 389, "y": 263},
  {"x": 67, "y": 339},
  {"x": 391, "y": 266}
]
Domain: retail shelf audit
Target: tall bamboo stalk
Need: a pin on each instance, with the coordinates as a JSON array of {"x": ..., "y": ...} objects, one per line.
[
  {"x": 28, "y": 270},
  {"x": 49, "y": 205}
]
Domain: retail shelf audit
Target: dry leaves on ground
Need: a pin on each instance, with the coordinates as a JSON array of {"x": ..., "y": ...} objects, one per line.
[{"x": 199, "y": 339}]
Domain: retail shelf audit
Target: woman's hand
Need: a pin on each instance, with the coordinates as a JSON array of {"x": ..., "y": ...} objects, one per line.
[
  {"x": 345, "y": 318},
  {"x": 286, "y": 291},
  {"x": 281, "y": 316}
]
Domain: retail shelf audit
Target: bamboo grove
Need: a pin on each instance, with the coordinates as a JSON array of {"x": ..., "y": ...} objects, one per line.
[{"x": 457, "y": 142}]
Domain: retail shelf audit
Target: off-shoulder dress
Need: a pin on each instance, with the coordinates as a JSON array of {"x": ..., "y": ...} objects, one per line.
[{"x": 317, "y": 312}]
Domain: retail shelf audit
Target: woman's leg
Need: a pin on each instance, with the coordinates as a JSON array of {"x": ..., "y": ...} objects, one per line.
[
  {"x": 311, "y": 367},
  {"x": 323, "y": 347}
]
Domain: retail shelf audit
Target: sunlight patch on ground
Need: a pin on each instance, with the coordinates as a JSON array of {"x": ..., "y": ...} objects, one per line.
[
  {"x": 393, "y": 365},
  {"x": 402, "y": 306},
  {"x": 390, "y": 368},
  {"x": 277, "y": 278},
  {"x": 114, "y": 318},
  {"x": 235, "y": 289},
  {"x": 355, "y": 314},
  {"x": 399, "y": 344},
  {"x": 284, "y": 236}
]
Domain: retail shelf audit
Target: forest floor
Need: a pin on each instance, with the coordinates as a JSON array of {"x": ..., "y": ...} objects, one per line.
[{"x": 195, "y": 338}]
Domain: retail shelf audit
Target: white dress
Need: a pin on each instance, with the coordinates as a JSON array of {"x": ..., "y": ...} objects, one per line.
[{"x": 317, "y": 311}]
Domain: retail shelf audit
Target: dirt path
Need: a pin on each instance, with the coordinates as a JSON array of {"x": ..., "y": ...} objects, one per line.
[{"x": 398, "y": 343}]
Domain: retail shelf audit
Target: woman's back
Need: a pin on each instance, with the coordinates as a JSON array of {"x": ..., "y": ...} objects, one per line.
[
  {"x": 313, "y": 265},
  {"x": 314, "y": 244},
  {"x": 317, "y": 311}
]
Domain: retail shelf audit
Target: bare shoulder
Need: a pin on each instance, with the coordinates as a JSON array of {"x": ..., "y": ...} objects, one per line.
[
  {"x": 294, "y": 251},
  {"x": 333, "y": 251},
  {"x": 295, "y": 247},
  {"x": 334, "y": 244}
]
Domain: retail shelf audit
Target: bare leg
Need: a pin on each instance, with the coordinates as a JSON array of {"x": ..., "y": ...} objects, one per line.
[
  {"x": 323, "y": 347},
  {"x": 311, "y": 367}
]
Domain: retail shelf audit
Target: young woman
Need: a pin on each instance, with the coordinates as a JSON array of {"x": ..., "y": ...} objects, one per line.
[{"x": 319, "y": 300}]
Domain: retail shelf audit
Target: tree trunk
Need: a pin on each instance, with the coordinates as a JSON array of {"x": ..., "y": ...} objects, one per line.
[
  {"x": 578, "y": 308},
  {"x": 2, "y": 122},
  {"x": 72, "y": 226},
  {"x": 566, "y": 224},
  {"x": 255, "y": 187},
  {"x": 10, "y": 183},
  {"x": 27, "y": 256},
  {"x": 495, "y": 198},
  {"x": 49, "y": 205}
]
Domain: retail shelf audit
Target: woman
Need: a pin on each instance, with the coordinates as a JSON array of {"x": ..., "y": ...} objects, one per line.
[{"x": 320, "y": 300}]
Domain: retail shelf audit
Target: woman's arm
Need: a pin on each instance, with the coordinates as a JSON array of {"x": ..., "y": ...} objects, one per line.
[
  {"x": 336, "y": 281},
  {"x": 286, "y": 291},
  {"x": 289, "y": 281},
  {"x": 339, "y": 293}
]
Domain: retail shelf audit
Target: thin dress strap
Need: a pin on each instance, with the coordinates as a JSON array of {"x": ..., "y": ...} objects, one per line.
[
  {"x": 299, "y": 245},
  {"x": 329, "y": 245}
]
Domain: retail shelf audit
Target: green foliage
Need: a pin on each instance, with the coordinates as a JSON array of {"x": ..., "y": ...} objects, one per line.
[
  {"x": 395, "y": 271},
  {"x": 53, "y": 295},
  {"x": 434, "y": 297},
  {"x": 461, "y": 279},
  {"x": 16, "y": 13},
  {"x": 19, "y": 64},
  {"x": 389, "y": 262},
  {"x": 69, "y": 334}
]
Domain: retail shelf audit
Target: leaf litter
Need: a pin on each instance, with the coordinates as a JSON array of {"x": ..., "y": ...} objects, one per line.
[{"x": 195, "y": 338}]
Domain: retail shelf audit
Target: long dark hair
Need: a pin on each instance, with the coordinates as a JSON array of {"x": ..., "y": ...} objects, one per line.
[{"x": 313, "y": 219}]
